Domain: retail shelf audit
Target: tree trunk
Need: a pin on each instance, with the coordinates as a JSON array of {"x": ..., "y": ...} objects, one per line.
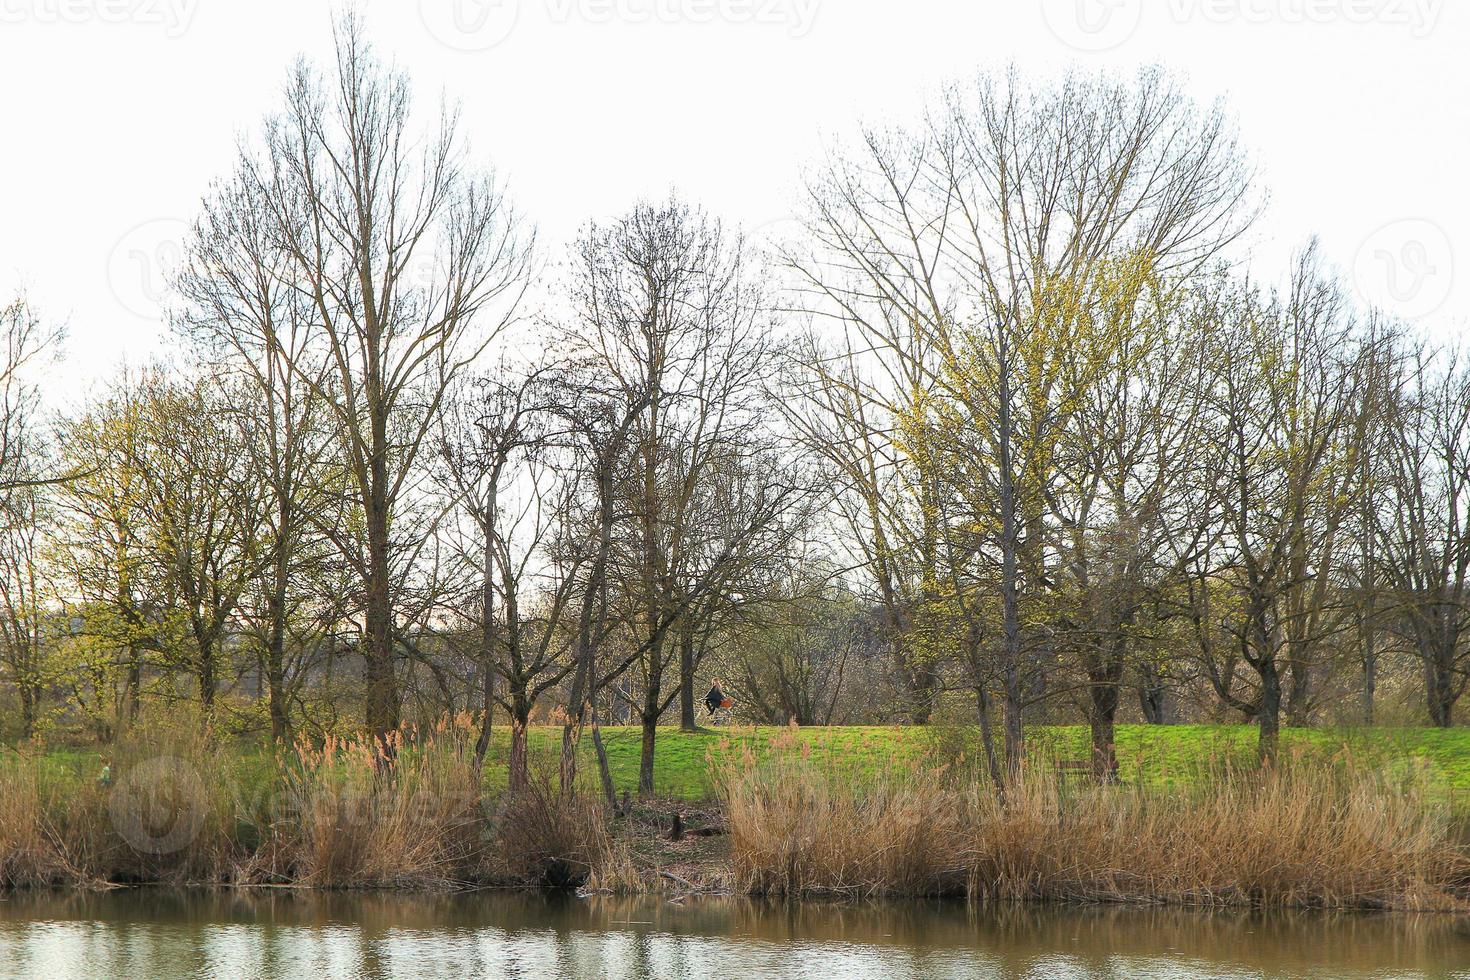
[
  {"x": 1298, "y": 701},
  {"x": 1153, "y": 700},
  {"x": 1368, "y": 630},
  {"x": 134, "y": 684},
  {"x": 381, "y": 713},
  {"x": 583, "y": 682},
  {"x": 1010, "y": 573},
  {"x": 1269, "y": 714},
  {"x": 687, "y": 721},
  {"x": 923, "y": 681},
  {"x": 1439, "y": 691},
  {"x": 1104, "y": 674},
  {"x": 487, "y": 708},
  {"x": 519, "y": 770},
  {"x": 28, "y": 699},
  {"x": 487, "y": 654},
  {"x": 207, "y": 683},
  {"x": 381, "y": 710},
  {"x": 571, "y": 737},
  {"x": 645, "y": 760},
  {"x": 604, "y": 771},
  {"x": 1012, "y": 722},
  {"x": 276, "y": 592},
  {"x": 275, "y": 666},
  {"x": 987, "y": 738}
]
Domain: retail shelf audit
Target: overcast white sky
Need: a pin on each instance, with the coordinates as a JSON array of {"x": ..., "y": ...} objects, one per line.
[{"x": 117, "y": 113}]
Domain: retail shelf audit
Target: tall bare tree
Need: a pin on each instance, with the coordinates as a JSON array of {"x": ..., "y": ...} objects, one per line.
[
  {"x": 402, "y": 262},
  {"x": 1424, "y": 554},
  {"x": 1285, "y": 403},
  {"x": 675, "y": 318}
]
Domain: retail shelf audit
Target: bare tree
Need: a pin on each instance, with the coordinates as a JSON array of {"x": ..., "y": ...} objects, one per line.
[
  {"x": 788, "y": 657},
  {"x": 504, "y": 465},
  {"x": 850, "y": 396},
  {"x": 674, "y": 318},
  {"x": 251, "y": 327},
  {"x": 1285, "y": 403},
  {"x": 1424, "y": 554},
  {"x": 600, "y": 424},
  {"x": 402, "y": 262}
]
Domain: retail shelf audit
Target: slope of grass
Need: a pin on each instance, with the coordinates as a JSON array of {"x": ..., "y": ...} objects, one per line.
[
  {"x": 1147, "y": 753},
  {"x": 682, "y": 759}
]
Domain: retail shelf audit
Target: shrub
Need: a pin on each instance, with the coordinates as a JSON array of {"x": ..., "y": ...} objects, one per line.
[{"x": 550, "y": 839}]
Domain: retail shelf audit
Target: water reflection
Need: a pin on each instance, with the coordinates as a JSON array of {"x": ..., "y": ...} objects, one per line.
[{"x": 156, "y": 933}]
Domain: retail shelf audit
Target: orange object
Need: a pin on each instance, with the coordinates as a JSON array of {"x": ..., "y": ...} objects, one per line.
[{"x": 727, "y": 703}]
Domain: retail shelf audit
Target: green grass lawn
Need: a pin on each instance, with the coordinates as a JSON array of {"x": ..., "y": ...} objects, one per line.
[
  {"x": 682, "y": 760},
  {"x": 1150, "y": 753}
]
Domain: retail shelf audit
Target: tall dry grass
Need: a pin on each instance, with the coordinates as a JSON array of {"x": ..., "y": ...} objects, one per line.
[
  {"x": 796, "y": 829},
  {"x": 348, "y": 817},
  {"x": 551, "y": 839},
  {"x": 1303, "y": 834},
  {"x": 184, "y": 806},
  {"x": 33, "y": 849},
  {"x": 170, "y": 814}
]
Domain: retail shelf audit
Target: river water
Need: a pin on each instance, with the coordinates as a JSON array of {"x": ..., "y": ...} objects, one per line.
[{"x": 281, "y": 933}]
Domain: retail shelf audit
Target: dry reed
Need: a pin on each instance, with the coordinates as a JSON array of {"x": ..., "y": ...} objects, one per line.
[
  {"x": 550, "y": 839},
  {"x": 351, "y": 818},
  {"x": 1306, "y": 833}
]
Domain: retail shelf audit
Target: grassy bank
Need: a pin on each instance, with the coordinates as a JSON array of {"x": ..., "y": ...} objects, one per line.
[
  {"x": 1155, "y": 754},
  {"x": 1311, "y": 832},
  {"x": 1146, "y": 753},
  {"x": 177, "y": 806},
  {"x": 1350, "y": 819}
]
